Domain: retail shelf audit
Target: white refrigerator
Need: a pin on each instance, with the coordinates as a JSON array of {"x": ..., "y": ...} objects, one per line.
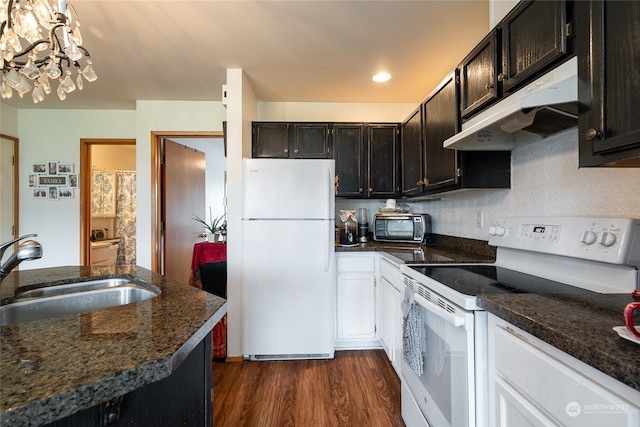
[{"x": 288, "y": 262}]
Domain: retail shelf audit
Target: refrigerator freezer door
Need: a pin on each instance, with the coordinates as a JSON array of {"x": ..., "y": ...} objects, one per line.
[
  {"x": 288, "y": 188},
  {"x": 288, "y": 290}
]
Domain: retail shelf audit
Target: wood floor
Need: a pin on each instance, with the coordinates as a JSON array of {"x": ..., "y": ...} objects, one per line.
[{"x": 357, "y": 388}]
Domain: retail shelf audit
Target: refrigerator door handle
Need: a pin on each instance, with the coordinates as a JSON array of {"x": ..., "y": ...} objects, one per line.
[
  {"x": 327, "y": 252},
  {"x": 328, "y": 195}
]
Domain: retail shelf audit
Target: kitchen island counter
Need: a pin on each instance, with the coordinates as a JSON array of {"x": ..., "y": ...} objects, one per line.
[
  {"x": 579, "y": 325},
  {"x": 53, "y": 368}
]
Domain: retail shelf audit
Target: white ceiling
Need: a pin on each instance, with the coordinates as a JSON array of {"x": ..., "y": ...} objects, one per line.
[{"x": 304, "y": 51}]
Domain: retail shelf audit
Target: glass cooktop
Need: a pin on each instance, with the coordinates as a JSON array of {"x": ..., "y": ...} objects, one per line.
[{"x": 478, "y": 279}]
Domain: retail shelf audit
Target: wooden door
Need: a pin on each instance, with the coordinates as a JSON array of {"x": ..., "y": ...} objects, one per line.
[{"x": 183, "y": 191}]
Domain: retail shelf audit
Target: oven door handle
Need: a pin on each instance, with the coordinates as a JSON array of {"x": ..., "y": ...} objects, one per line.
[{"x": 439, "y": 311}]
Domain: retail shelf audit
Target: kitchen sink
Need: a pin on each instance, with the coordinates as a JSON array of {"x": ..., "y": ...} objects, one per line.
[{"x": 73, "y": 298}]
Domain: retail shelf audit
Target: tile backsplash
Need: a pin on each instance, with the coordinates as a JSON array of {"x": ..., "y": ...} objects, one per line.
[{"x": 545, "y": 181}]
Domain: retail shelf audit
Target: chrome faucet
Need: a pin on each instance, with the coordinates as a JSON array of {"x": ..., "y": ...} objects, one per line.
[{"x": 27, "y": 250}]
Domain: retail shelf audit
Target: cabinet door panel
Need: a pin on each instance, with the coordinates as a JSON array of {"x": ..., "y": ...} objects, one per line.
[
  {"x": 383, "y": 160},
  {"x": 533, "y": 36},
  {"x": 348, "y": 152},
  {"x": 441, "y": 122},
  {"x": 356, "y": 306},
  {"x": 310, "y": 140},
  {"x": 479, "y": 77},
  {"x": 270, "y": 140},
  {"x": 610, "y": 127},
  {"x": 411, "y": 154}
]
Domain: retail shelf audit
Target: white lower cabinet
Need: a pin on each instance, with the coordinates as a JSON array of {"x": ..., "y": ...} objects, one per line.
[
  {"x": 532, "y": 383},
  {"x": 356, "y": 301},
  {"x": 390, "y": 311}
]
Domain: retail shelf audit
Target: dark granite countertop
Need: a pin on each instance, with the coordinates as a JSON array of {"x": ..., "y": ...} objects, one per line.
[
  {"x": 78, "y": 361},
  {"x": 579, "y": 325},
  {"x": 443, "y": 249}
]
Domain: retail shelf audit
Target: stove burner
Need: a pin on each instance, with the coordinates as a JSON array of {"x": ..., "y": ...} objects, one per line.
[
  {"x": 471, "y": 285},
  {"x": 478, "y": 279}
]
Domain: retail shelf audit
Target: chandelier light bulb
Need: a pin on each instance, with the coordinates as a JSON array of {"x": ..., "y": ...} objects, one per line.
[{"x": 40, "y": 40}]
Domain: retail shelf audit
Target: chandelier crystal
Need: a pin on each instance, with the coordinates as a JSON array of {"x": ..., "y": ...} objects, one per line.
[{"x": 41, "y": 41}]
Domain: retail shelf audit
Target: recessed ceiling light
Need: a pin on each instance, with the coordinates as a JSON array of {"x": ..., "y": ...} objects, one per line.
[{"x": 381, "y": 77}]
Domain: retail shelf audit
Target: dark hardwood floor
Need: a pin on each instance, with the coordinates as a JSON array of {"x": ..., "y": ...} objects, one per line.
[{"x": 357, "y": 388}]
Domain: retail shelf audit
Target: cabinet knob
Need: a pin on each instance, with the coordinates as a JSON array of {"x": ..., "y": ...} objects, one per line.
[
  {"x": 370, "y": 189},
  {"x": 361, "y": 190},
  {"x": 592, "y": 133},
  {"x": 296, "y": 151},
  {"x": 502, "y": 77},
  {"x": 286, "y": 150},
  {"x": 489, "y": 86}
]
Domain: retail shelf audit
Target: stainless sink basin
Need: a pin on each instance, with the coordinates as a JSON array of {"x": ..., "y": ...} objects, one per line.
[{"x": 73, "y": 298}]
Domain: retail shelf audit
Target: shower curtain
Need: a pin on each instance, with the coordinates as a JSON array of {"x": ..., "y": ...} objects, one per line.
[{"x": 126, "y": 216}]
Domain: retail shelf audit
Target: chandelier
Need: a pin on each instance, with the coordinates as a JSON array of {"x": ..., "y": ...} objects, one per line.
[{"x": 40, "y": 41}]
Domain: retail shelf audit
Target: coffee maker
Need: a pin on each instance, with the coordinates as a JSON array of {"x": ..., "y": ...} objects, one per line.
[{"x": 363, "y": 225}]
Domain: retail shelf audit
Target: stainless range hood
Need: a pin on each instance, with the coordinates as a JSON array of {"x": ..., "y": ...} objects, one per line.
[{"x": 543, "y": 107}]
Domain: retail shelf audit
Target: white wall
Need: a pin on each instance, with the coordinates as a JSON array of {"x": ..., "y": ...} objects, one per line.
[
  {"x": 8, "y": 120},
  {"x": 166, "y": 116},
  {"x": 54, "y": 135},
  {"x": 333, "y": 112},
  {"x": 241, "y": 106},
  {"x": 498, "y": 9}
]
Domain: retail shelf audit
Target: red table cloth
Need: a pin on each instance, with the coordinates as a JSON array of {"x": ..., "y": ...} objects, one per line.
[{"x": 203, "y": 253}]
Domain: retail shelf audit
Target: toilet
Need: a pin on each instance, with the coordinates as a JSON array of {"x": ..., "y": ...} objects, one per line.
[{"x": 104, "y": 253}]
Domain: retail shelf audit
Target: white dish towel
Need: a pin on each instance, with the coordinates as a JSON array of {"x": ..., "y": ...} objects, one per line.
[{"x": 412, "y": 331}]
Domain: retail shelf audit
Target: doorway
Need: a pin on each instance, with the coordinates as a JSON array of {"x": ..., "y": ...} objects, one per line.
[
  {"x": 107, "y": 201},
  {"x": 9, "y": 188},
  {"x": 157, "y": 198}
]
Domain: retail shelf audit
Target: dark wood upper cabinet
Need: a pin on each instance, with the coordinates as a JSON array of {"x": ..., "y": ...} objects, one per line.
[
  {"x": 609, "y": 91},
  {"x": 411, "y": 154},
  {"x": 383, "y": 141},
  {"x": 270, "y": 140},
  {"x": 441, "y": 121},
  {"x": 349, "y": 152},
  {"x": 534, "y": 35},
  {"x": 274, "y": 140},
  {"x": 479, "y": 85},
  {"x": 310, "y": 141}
]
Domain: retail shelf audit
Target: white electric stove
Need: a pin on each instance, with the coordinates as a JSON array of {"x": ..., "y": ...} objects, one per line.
[{"x": 559, "y": 255}]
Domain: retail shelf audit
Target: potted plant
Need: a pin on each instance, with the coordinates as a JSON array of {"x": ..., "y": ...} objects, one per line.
[{"x": 212, "y": 227}]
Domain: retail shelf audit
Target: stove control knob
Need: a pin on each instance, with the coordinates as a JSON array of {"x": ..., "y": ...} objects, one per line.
[
  {"x": 492, "y": 230},
  {"x": 607, "y": 239},
  {"x": 500, "y": 230},
  {"x": 589, "y": 237}
]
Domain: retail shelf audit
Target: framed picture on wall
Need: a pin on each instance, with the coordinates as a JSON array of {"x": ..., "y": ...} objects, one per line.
[
  {"x": 40, "y": 193},
  {"x": 39, "y": 168},
  {"x": 53, "y": 168},
  {"x": 65, "y": 192},
  {"x": 65, "y": 168}
]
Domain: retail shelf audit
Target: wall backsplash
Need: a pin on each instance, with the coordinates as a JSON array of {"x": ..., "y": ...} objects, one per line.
[{"x": 545, "y": 180}]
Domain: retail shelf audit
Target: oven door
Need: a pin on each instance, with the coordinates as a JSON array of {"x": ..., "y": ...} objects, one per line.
[{"x": 445, "y": 391}]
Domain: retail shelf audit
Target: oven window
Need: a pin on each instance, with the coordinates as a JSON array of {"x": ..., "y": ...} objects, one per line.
[
  {"x": 445, "y": 376},
  {"x": 400, "y": 228}
]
